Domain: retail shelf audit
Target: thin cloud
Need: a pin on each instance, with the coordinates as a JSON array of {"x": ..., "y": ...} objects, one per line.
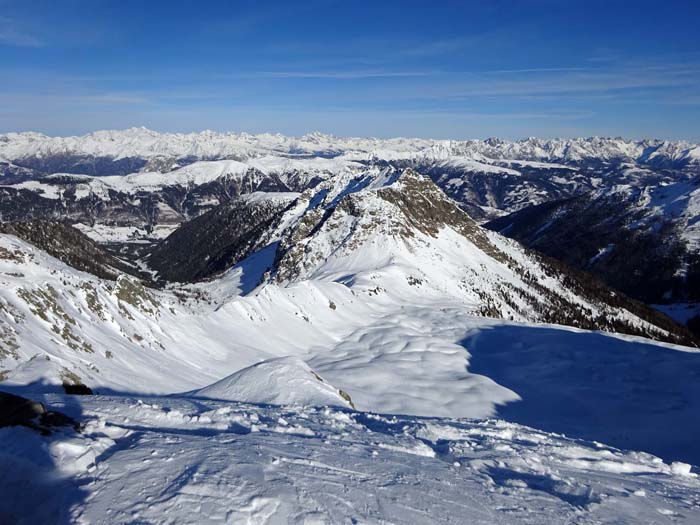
[
  {"x": 572, "y": 82},
  {"x": 12, "y": 34},
  {"x": 340, "y": 75},
  {"x": 47, "y": 100},
  {"x": 539, "y": 70},
  {"x": 437, "y": 47}
]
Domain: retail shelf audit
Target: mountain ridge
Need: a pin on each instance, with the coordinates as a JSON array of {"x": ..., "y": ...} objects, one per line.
[{"x": 207, "y": 145}]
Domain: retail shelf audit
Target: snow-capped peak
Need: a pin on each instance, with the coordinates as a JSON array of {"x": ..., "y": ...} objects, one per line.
[{"x": 144, "y": 143}]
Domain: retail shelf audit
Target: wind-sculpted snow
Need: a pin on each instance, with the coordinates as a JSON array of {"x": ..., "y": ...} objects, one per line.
[
  {"x": 179, "y": 460},
  {"x": 281, "y": 381}
]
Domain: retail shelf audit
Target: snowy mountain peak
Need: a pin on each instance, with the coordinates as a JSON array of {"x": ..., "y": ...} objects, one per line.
[{"x": 146, "y": 144}]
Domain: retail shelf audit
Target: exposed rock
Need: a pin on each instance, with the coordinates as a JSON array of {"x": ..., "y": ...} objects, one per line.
[
  {"x": 77, "y": 389},
  {"x": 131, "y": 291},
  {"x": 16, "y": 410}
]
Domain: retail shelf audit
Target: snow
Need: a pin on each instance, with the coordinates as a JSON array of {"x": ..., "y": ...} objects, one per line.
[
  {"x": 183, "y": 428},
  {"x": 300, "y": 161},
  {"x": 679, "y": 202},
  {"x": 302, "y": 170},
  {"x": 394, "y": 347},
  {"x": 600, "y": 390},
  {"x": 47, "y": 191},
  {"x": 375, "y": 314},
  {"x": 144, "y": 143},
  {"x": 541, "y": 165},
  {"x": 179, "y": 460},
  {"x": 473, "y": 165},
  {"x": 603, "y": 252},
  {"x": 106, "y": 234},
  {"x": 194, "y": 174},
  {"x": 53, "y": 186},
  {"x": 680, "y": 312},
  {"x": 260, "y": 196},
  {"x": 281, "y": 381}
]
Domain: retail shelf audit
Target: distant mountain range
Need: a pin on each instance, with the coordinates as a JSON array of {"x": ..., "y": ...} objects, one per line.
[
  {"x": 141, "y": 146},
  {"x": 623, "y": 210}
]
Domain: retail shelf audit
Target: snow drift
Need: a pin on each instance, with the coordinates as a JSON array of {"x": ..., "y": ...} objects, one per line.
[{"x": 281, "y": 381}]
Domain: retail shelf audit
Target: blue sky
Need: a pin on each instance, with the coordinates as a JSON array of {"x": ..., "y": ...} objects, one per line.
[{"x": 442, "y": 69}]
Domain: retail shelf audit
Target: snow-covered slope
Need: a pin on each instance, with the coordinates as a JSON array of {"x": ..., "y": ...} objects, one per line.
[
  {"x": 177, "y": 460},
  {"x": 293, "y": 173},
  {"x": 380, "y": 285},
  {"x": 375, "y": 284},
  {"x": 281, "y": 381},
  {"x": 390, "y": 225},
  {"x": 387, "y": 238}
]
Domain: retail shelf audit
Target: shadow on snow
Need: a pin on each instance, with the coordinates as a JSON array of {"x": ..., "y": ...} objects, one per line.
[
  {"x": 627, "y": 394},
  {"x": 32, "y": 490}
]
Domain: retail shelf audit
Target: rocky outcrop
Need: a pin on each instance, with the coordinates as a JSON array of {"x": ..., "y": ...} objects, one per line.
[{"x": 16, "y": 410}]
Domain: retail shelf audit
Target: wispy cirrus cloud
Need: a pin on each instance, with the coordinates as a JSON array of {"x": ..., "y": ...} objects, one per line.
[
  {"x": 13, "y": 33},
  {"x": 72, "y": 100},
  {"x": 539, "y": 70},
  {"x": 432, "y": 48},
  {"x": 340, "y": 75},
  {"x": 659, "y": 83}
]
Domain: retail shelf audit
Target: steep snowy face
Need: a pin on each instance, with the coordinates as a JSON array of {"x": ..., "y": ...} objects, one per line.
[{"x": 61, "y": 326}]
